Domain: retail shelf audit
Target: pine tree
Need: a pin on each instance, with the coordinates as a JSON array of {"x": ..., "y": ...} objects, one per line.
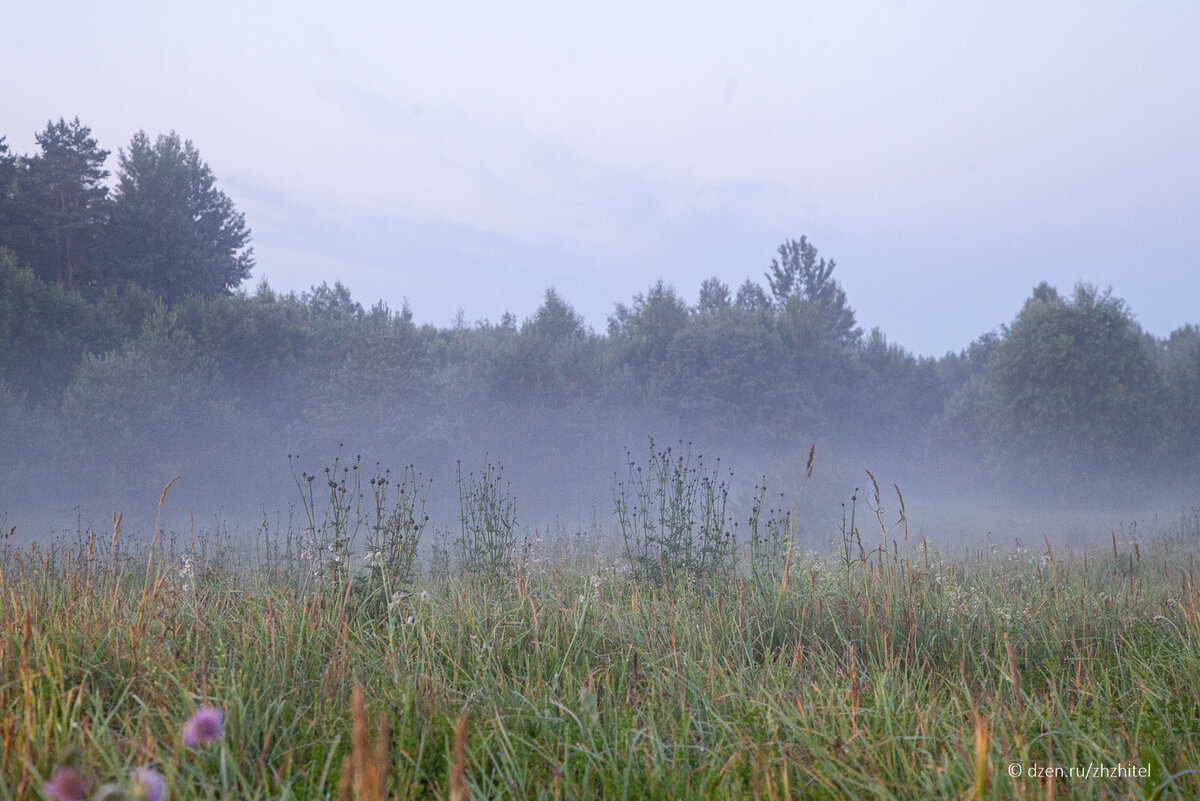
[
  {"x": 57, "y": 205},
  {"x": 174, "y": 231}
]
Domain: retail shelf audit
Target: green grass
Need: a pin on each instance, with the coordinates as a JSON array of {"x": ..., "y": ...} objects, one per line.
[{"x": 883, "y": 677}]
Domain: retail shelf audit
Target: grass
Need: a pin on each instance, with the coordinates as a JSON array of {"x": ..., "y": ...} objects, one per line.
[{"x": 900, "y": 673}]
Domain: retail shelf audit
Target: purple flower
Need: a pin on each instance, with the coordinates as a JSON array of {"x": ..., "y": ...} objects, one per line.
[
  {"x": 66, "y": 784},
  {"x": 148, "y": 785},
  {"x": 204, "y": 727}
]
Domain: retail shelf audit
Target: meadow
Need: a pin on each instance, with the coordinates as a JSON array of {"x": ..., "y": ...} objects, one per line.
[{"x": 343, "y": 661}]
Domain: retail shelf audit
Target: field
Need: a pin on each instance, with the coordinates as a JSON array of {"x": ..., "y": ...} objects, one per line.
[{"x": 884, "y": 669}]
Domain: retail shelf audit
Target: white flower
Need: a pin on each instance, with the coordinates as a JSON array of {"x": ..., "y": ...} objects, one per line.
[
  {"x": 187, "y": 573},
  {"x": 597, "y": 581}
]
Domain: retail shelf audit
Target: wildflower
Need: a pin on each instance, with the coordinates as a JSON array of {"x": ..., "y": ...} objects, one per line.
[
  {"x": 148, "y": 785},
  {"x": 204, "y": 727},
  {"x": 187, "y": 573},
  {"x": 424, "y": 595},
  {"x": 66, "y": 784},
  {"x": 597, "y": 581}
]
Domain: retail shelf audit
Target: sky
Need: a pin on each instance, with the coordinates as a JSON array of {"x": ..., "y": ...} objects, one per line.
[{"x": 948, "y": 156}]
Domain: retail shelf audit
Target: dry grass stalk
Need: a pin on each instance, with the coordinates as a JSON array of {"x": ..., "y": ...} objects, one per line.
[
  {"x": 458, "y": 764},
  {"x": 980, "y": 785},
  {"x": 1015, "y": 674},
  {"x": 112, "y": 551},
  {"x": 787, "y": 565},
  {"x": 365, "y": 768}
]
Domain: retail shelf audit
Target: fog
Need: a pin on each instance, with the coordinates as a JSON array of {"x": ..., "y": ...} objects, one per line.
[
  {"x": 562, "y": 466},
  {"x": 628, "y": 179}
]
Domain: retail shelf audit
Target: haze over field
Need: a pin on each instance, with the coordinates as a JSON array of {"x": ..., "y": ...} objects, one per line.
[{"x": 592, "y": 227}]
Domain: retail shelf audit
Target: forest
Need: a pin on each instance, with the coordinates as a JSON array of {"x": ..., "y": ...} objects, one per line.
[{"x": 131, "y": 346}]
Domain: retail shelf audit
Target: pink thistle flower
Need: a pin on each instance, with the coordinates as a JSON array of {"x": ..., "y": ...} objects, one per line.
[
  {"x": 66, "y": 784},
  {"x": 204, "y": 727},
  {"x": 148, "y": 785}
]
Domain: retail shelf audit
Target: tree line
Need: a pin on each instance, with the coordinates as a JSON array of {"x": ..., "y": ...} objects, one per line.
[
  {"x": 125, "y": 329},
  {"x": 164, "y": 226}
]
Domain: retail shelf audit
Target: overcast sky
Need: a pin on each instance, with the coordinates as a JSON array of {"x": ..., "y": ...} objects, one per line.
[{"x": 949, "y": 156}]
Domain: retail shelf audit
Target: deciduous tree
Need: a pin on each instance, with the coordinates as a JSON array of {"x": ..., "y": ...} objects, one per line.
[
  {"x": 798, "y": 276},
  {"x": 1075, "y": 385}
]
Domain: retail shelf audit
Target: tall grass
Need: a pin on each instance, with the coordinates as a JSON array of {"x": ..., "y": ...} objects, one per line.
[{"x": 901, "y": 673}]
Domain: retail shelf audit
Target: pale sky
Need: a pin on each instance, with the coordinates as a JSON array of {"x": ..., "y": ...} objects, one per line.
[{"x": 949, "y": 156}]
